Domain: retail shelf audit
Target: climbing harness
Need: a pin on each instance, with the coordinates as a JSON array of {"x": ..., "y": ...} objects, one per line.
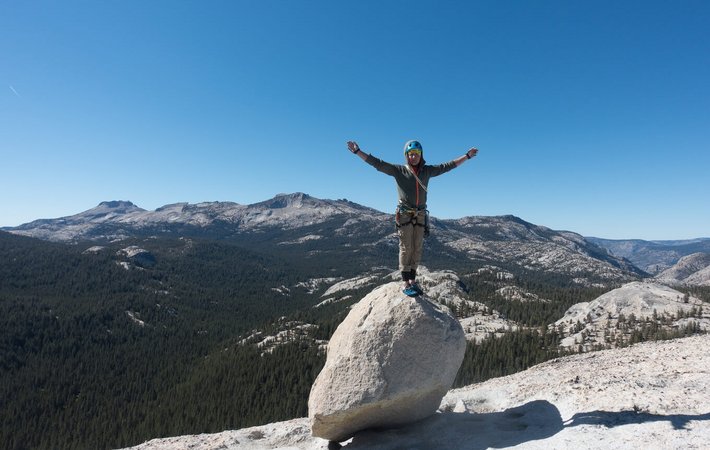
[{"x": 406, "y": 215}]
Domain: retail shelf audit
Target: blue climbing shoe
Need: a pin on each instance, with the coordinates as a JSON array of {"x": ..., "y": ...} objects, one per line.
[
  {"x": 410, "y": 291},
  {"x": 417, "y": 288}
]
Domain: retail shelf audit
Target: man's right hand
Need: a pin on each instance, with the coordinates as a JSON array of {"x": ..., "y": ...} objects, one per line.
[{"x": 353, "y": 147}]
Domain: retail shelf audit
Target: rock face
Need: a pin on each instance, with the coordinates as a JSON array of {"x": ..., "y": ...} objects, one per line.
[
  {"x": 691, "y": 269},
  {"x": 390, "y": 362},
  {"x": 589, "y": 324},
  {"x": 139, "y": 256}
]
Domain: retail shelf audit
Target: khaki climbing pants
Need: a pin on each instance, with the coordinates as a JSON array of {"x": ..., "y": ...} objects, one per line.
[{"x": 411, "y": 239}]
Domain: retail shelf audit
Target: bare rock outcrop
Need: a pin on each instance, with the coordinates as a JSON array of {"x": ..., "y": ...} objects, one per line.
[
  {"x": 692, "y": 269},
  {"x": 389, "y": 363}
]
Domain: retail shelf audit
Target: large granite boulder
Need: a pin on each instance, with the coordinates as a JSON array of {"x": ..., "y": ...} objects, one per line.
[{"x": 389, "y": 363}]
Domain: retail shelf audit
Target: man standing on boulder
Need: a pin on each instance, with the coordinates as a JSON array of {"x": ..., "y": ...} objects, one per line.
[{"x": 411, "y": 218}]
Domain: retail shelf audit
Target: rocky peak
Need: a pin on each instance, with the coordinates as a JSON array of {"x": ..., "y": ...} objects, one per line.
[
  {"x": 117, "y": 204},
  {"x": 107, "y": 210},
  {"x": 295, "y": 200}
]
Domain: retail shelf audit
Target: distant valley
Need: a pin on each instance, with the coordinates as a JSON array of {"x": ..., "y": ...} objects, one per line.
[{"x": 653, "y": 256}]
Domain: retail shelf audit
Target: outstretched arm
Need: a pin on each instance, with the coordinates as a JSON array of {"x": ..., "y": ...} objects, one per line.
[
  {"x": 382, "y": 166},
  {"x": 353, "y": 147},
  {"x": 468, "y": 155}
]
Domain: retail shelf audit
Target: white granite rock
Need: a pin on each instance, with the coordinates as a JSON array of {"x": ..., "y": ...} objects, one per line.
[{"x": 389, "y": 363}]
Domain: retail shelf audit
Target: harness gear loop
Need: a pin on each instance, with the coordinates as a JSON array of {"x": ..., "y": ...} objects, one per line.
[{"x": 406, "y": 211}]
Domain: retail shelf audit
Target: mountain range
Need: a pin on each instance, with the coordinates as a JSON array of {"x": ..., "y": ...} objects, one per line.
[{"x": 330, "y": 226}]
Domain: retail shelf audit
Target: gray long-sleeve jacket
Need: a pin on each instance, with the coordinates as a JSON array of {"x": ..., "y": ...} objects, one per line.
[{"x": 409, "y": 191}]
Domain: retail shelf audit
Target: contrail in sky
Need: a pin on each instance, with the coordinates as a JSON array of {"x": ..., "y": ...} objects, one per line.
[{"x": 13, "y": 90}]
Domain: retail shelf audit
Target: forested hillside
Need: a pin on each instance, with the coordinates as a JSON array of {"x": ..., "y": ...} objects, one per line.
[{"x": 94, "y": 355}]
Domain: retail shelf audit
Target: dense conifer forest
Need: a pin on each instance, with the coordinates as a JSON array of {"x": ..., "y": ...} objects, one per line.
[
  {"x": 94, "y": 355},
  {"x": 99, "y": 350}
]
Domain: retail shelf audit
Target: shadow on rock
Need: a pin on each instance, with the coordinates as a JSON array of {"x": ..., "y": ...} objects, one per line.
[
  {"x": 614, "y": 419},
  {"x": 467, "y": 431}
]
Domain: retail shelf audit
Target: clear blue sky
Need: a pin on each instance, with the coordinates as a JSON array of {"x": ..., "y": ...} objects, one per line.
[{"x": 592, "y": 117}]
